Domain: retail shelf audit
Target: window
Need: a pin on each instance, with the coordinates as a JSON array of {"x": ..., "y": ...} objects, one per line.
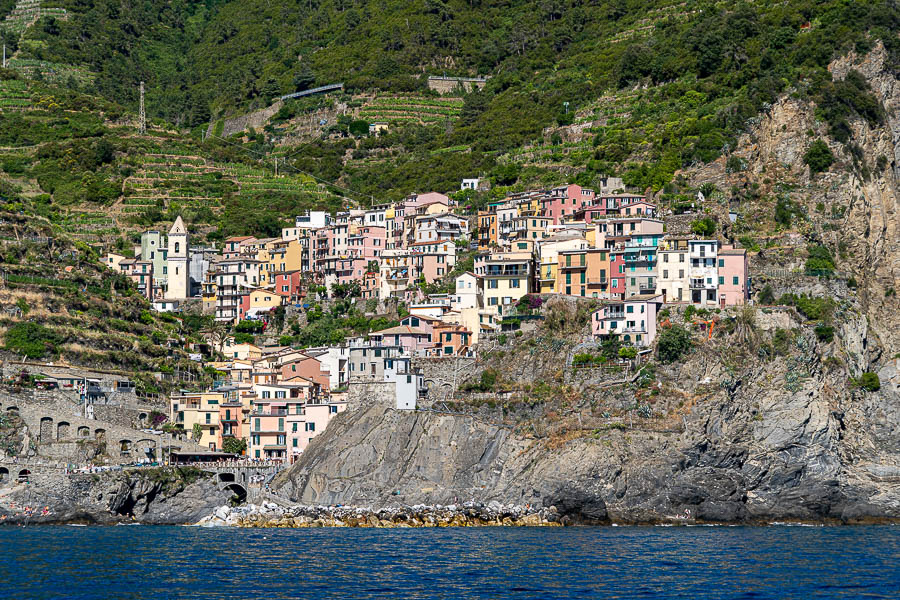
[
  {"x": 721, "y": 280},
  {"x": 492, "y": 284},
  {"x": 568, "y": 278},
  {"x": 295, "y": 441},
  {"x": 629, "y": 308},
  {"x": 721, "y": 262},
  {"x": 492, "y": 301},
  {"x": 294, "y": 428},
  {"x": 310, "y": 426},
  {"x": 665, "y": 274},
  {"x": 734, "y": 280},
  {"x": 256, "y": 426},
  {"x": 513, "y": 283},
  {"x": 681, "y": 258},
  {"x": 280, "y": 424},
  {"x": 208, "y": 417},
  {"x": 681, "y": 273},
  {"x": 332, "y": 409},
  {"x": 583, "y": 275}
]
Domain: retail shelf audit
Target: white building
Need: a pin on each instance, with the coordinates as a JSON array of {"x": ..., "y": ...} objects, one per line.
[{"x": 704, "y": 275}]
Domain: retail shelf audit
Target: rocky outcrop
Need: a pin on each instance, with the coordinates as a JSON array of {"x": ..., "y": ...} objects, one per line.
[
  {"x": 157, "y": 496},
  {"x": 469, "y": 514},
  {"x": 771, "y": 441}
]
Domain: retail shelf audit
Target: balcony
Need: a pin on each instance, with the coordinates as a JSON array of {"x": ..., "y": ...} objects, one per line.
[
  {"x": 700, "y": 284},
  {"x": 597, "y": 280},
  {"x": 647, "y": 288}
]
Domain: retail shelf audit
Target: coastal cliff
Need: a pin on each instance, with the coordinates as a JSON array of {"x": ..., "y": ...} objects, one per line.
[{"x": 766, "y": 421}]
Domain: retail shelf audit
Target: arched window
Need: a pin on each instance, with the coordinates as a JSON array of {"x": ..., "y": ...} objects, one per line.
[{"x": 177, "y": 247}]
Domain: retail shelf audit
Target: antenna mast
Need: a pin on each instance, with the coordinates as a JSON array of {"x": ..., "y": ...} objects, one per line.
[{"x": 143, "y": 117}]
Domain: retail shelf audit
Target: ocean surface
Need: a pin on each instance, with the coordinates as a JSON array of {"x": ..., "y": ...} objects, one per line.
[{"x": 612, "y": 562}]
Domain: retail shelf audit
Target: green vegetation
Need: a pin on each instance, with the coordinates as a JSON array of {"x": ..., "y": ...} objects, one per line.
[
  {"x": 233, "y": 445},
  {"x": 818, "y": 156},
  {"x": 868, "y": 382},
  {"x": 820, "y": 261},
  {"x": 32, "y": 340},
  {"x": 665, "y": 84},
  {"x": 704, "y": 227},
  {"x": 766, "y": 295},
  {"x": 673, "y": 343},
  {"x": 811, "y": 307}
]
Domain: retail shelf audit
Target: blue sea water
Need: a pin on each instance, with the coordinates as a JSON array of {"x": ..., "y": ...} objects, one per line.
[{"x": 613, "y": 562}]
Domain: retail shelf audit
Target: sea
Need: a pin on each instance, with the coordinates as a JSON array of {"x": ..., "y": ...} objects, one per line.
[{"x": 144, "y": 562}]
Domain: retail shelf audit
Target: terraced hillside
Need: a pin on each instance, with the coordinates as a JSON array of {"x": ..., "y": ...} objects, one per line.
[
  {"x": 416, "y": 109},
  {"x": 57, "y": 303},
  {"x": 14, "y": 95}
]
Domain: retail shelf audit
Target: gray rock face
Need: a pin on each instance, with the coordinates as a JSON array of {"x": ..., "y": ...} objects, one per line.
[
  {"x": 113, "y": 497},
  {"x": 754, "y": 451}
]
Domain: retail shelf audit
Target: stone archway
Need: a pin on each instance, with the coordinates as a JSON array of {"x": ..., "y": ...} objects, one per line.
[
  {"x": 239, "y": 491},
  {"x": 4, "y": 475},
  {"x": 62, "y": 431},
  {"x": 100, "y": 435},
  {"x": 124, "y": 447},
  {"x": 46, "y": 430},
  {"x": 24, "y": 476},
  {"x": 226, "y": 477},
  {"x": 84, "y": 433},
  {"x": 12, "y": 410},
  {"x": 145, "y": 449}
]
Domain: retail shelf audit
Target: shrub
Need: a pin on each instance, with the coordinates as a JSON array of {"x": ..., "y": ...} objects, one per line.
[
  {"x": 825, "y": 333},
  {"x": 868, "y": 382},
  {"x": 820, "y": 262},
  {"x": 244, "y": 338},
  {"x": 766, "y": 295},
  {"x": 704, "y": 227},
  {"x": 818, "y": 156},
  {"x": 233, "y": 445},
  {"x": 249, "y": 327},
  {"x": 674, "y": 342},
  {"x": 628, "y": 352},
  {"x": 32, "y": 340},
  {"x": 501, "y": 339}
]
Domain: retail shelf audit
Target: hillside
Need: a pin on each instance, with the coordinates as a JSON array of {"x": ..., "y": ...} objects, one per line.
[
  {"x": 646, "y": 95},
  {"x": 785, "y": 412}
]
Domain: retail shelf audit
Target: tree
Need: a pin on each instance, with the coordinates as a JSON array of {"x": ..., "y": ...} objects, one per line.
[
  {"x": 704, "y": 227},
  {"x": 233, "y": 445},
  {"x": 674, "y": 342},
  {"x": 304, "y": 79},
  {"x": 818, "y": 156},
  {"x": 196, "y": 432},
  {"x": 766, "y": 295}
]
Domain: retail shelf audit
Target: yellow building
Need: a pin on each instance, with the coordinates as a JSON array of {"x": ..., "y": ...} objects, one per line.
[
  {"x": 506, "y": 278},
  {"x": 548, "y": 260},
  {"x": 202, "y": 410}
]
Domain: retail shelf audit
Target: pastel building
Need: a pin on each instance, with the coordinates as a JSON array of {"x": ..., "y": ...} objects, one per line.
[
  {"x": 632, "y": 321},
  {"x": 733, "y": 269}
]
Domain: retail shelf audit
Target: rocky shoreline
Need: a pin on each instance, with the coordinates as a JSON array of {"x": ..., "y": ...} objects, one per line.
[{"x": 470, "y": 514}]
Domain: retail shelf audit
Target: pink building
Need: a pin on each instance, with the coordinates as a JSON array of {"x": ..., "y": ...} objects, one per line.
[
  {"x": 733, "y": 268},
  {"x": 565, "y": 201},
  {"x": 433, "y": 260},
  {"x": 617, "y": 274},
  {"x": 413, "y": 340},
  {"x": 632, "y": 321},
  {"x": 368, "y": 242}
]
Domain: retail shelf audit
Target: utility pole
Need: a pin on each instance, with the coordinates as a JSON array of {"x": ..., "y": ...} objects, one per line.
[
  {"x": 276, "y": 166},
  {"x": 4, "y": 56},
  {"x": 143, "y": 116}
]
